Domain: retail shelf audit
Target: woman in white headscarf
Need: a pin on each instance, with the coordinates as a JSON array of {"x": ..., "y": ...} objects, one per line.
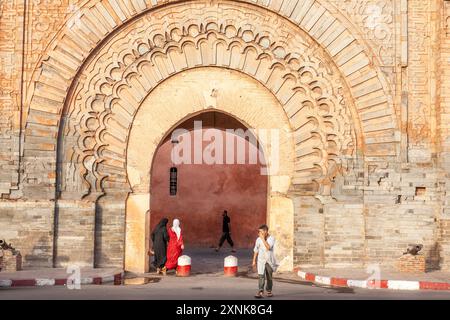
[{"x": 175, "y": 247}]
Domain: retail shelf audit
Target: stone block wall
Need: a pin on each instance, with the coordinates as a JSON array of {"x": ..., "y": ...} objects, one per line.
[
  {"x": 444, "y": 244},
  {"x": 10, "y": 262},
  {"x": 75, "y": 233},
  {"x": 444, "y": 129},
  {"x": 376, "y": 208},
  {"x": 344, "y": 231},
  {"x": 308, "y": 231},
  {"x": 388, "y": 236},
  {"x": 11, "y": 44},
  {"x": 375, "y": 221},
  {"x": 110, "y": 233},
  {"x": 28, "y": 226},
  {"x": 411, "y": 264}
]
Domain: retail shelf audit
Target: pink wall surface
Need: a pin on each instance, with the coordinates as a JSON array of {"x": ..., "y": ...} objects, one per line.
[{"x": 204, "y": 191}]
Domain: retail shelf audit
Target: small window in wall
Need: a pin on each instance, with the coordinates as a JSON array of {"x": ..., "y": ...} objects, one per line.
[
  {"x": 173, "y": 181},
  {"x": 421, "y": 191}
]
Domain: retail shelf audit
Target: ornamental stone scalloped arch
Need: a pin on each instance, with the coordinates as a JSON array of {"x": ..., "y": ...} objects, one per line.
[
  {"x": 76, "y": 46},
  {"x": 112, "y": 87},
  {"x": 199, "y": 91}
]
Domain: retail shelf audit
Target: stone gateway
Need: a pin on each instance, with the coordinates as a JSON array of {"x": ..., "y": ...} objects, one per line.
[{"x": 357, "y": 91}]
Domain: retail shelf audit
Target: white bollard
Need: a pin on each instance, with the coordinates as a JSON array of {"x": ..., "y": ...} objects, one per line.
[
  {"x": 184, "y": 266},
  {"x": 230, "y": 268}
]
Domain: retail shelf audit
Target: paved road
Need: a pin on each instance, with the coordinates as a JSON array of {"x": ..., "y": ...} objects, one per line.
[
  {"x": 210, "y": 287},
  {"x": 207, "y": 283}
]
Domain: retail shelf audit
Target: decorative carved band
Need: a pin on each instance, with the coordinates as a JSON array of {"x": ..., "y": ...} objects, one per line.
[
  {"x": 117, "y": 81},
  {"x": 327, "y": 86}
]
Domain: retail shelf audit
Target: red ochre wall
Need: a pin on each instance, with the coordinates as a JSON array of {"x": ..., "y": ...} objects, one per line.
[{"x": 204, "y": 191}]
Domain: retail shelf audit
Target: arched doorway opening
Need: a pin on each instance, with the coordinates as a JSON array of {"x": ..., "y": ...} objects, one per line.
[
  {"x": 219, "y": 167},
  {"x": 201, "y": 90}
]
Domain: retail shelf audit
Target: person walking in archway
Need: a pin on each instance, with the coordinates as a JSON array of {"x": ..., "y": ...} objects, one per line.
[
  {"x": 226, "y": 232},
  {"x": 176, "y": 246},
  {"x": 160, "y": 237}
]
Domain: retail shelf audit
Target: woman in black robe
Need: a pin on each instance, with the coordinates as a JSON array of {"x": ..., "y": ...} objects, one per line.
[{"x": 160, "y": 237}]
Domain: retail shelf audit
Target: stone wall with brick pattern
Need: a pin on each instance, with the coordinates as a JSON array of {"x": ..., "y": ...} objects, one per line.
[
  {"x": 411, "y": 264},
  {"x": 392, "y": 184}
]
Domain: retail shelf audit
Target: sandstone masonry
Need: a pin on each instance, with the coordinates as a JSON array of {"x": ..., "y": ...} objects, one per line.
[{"x": 360, "y": 89}]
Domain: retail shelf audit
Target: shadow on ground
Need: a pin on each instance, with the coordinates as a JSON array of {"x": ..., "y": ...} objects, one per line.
[{"x": 208, "y": 263}]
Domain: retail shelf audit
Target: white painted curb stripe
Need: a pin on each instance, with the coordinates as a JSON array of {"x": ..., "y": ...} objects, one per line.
[
  {"x": 357, "y": 283},
  {"x": 86, "y": 280},
  {"x": 323, "y": 280},
  {"x": 45, "y": 282},
  {"x": 403, "y": 285},
  {"x": 108, "y": 279},
  {"x": 52, "y": 282},
  {"x": 391, "y": 284},
  {"x": 5, "y": 283}
]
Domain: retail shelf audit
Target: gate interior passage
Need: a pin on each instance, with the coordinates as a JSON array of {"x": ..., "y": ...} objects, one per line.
[{"x": 204, "y": 191}]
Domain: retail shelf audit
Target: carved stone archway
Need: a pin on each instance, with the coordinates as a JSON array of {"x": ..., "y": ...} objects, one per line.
[
  {"x": 110, "y": 91},
  {"x": 235, "y": 94},
  {"x": 76, "y": 45},
  {"x": 332, "y": 95}
]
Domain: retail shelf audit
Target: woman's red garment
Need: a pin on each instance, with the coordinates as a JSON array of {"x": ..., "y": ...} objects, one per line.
[{"x": 173, "y": 250}]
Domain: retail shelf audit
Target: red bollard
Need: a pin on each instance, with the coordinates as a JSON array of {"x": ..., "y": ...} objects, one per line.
[
  {"x": 230, "y": 268},
  {"x": 184, "y": 266}
]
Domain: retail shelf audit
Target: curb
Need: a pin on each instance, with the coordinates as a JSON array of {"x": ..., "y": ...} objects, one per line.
[
  {"x": 373, "y": 284},
  {"x": 39, "y": 282}
]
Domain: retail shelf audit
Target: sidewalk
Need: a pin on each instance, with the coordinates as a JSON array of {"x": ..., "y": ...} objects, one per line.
[
  {"x": 58, "y": 277},
  {"x": 388, "y": 278}
]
